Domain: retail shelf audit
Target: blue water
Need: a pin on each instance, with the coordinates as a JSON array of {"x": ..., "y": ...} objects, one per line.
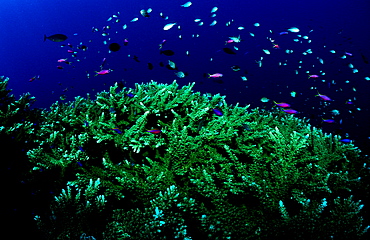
[{"x": 330, "y": 25}]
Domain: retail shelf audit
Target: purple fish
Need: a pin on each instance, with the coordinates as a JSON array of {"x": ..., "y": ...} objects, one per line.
[
  {"x": 154, "y": 131},
  {"x": 282, "y": 104},
  {"x": 217, "y": 112},
  {"x": 290, "y": 111},
  {"x": 324, "y": 97},
  {"x": 328, "y": 120},
  {"x": 116, "y": 130}
]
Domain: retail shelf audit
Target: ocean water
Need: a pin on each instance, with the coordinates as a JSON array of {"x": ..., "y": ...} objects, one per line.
[{"x": 324, "y": 27}]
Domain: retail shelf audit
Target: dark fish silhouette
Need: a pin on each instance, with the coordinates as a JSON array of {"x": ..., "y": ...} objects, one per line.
[
  {"x": 228, "y": 51},
  {"x": 167, "y": 52},
  {"x": 56, "y": 37},
  {"x": 364, "y": 59},
  {"x": 114, "y": 47},
  {"x": 150, "y": 66},
  {"x": 136, "y": 58}
]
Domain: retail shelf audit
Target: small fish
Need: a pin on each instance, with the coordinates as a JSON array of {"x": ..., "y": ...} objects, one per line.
[
  {"x": 154, "y": 131},
  {"x": 328, "y": 120},
  {"x": 187, "y": 4},
  {"x": 293, "y": 29},
  {"x": 346, "y": 140},
  {"x": 171, "y": 64},
  {"x": 125, "y": 42},
  {"x": 102, "y": 72},
  {"x": 60, "y": 67},
  {"x": 217, "y": 112},
  {"x": 116, "y": 130},
  {"x": 169, "y": 26},
  {"x": 162, "y": 43},
  {"x": 180, "y": 74},
  {"x": 136, "y": 58},
  {"x": 150, "y": 66},
  {"x": 313, "y": 76},
  {"x": 56, "y": 37},
  {"x": 282, "y": 104},
  {"x": 215, "y": 75},
  {"x": 62, "y": 59},
  {"x": 34, "y": 78},
  {"x": 323, "y": 97},
  {"x": 284, "y": 33},
  {"x": 276, "y": 46},
  {"x": 167, "y": 52},
  {"x": 290, "y": 111},
  {"x": 229, "y": 41},
  {"x": 103, "y": 63},
  {"x": 114, "y": 47},
  {"x": 235, "y": 68},
  {"x": 236, "y": 39},
  {"x": 130, "y": 95},
  {"x": 83, "y": 47},
  {"x": 364, "y": 59},
  {"x": 228, "y": 51},
  {"x": 144, "y": 13}
]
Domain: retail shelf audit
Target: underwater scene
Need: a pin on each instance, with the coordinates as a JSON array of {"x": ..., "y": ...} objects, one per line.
[{"x": 202, "y": 119}]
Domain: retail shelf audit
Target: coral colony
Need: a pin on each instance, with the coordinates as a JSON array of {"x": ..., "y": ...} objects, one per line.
[{"x": 163, "y": 162}]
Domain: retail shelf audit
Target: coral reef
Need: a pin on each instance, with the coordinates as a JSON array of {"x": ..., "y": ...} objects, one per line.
[{"x": 163, "y": 162}]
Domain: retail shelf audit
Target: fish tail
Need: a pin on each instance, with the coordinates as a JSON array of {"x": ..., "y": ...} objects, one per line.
[{"x": 45, "y": 37}]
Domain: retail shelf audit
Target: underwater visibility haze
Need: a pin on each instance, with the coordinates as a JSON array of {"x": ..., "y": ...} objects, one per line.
[{"x": 186, "y": 119}]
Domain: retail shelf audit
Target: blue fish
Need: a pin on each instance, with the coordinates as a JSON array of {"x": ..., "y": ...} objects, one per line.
[
  {"x": 116, "y": 130},
  {"x": 217, "y": 112}
]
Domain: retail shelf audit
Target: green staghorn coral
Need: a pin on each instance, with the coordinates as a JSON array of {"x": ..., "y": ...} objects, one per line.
[{"x": 248, "y": 174}]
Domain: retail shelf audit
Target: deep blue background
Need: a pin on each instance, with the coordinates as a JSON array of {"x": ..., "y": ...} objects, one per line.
[{"x": 337, "y": 25}]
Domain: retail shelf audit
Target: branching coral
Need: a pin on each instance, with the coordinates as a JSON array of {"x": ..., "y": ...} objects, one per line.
[{"x": 156, "y": 162}]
